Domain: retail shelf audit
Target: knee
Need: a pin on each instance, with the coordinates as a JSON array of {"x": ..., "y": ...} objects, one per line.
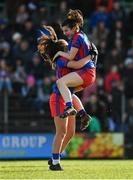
[
  {"x": 59, "y": 82},
  {"x": 62, "y": 133}
]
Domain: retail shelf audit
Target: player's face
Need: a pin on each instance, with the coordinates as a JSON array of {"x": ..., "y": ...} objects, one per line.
[{"x": 68, "y": 32}]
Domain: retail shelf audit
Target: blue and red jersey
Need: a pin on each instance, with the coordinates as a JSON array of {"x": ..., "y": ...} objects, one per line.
[
  {"x": 61, "y": 70},
  {"x": 61, "y": 67},
  {"x": 81, "y": 42}
]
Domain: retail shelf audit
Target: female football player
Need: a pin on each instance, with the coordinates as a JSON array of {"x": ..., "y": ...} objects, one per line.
[
  {"x": 79, "y": 47},
  {"x": 65, "y": 128}
]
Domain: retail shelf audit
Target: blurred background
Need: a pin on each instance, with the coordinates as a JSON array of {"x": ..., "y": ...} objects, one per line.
[{"x": 26, "y": 126}]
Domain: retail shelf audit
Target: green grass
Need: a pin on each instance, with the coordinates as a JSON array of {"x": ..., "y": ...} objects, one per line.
[{"x": 73, "y": 169}]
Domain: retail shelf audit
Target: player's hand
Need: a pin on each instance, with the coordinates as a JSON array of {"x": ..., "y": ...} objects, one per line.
[
  {"x": 56, "y": 55},
  {"x": 94, "y": 52},
  {"x": 53, "y": 66}
]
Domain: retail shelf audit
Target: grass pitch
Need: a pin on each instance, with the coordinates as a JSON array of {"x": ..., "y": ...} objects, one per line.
[{"x": 73, "y": 169}]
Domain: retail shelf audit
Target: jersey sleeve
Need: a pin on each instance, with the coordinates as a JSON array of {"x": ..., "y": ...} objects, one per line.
[
  {"x": 62, "y": 63},
  {"x": 76, "y": 41}
]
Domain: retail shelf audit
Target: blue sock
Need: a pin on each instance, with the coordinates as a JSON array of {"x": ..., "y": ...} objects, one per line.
[
  {"x": 69, "y": 104},
  {"x": 82, "y": 112},
  {"x": 60, "y": 155},
  {"x": 56, "y": 156}
]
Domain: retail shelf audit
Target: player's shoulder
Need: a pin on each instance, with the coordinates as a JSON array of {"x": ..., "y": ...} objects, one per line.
[
  {"x": 61, "y": 61},
  {"x": 79, "y": 35}
]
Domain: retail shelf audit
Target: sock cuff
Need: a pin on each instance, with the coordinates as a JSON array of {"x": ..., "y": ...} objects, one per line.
[
  {"x": 69, "y": 104},
  {"x": 56, "y": 156},
  {"x": 81, "y": 112}
]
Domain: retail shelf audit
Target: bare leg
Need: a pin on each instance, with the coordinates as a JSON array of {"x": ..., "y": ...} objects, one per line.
[
  {"x": 83, "y": 116},
  {"x": 71, "y": 122},
  {"x": 77, "y": 103},
  {"x": 70, "y": 132},
  {"x": 61, "y": 129},
  {"x": 69, "y": 80}
]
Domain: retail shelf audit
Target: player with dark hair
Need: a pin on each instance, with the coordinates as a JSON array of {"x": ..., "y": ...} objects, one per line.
[{"x": 79, "y": 47}]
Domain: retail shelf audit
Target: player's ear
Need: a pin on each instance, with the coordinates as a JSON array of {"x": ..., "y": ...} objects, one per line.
[{"x": 75, "y": 28}]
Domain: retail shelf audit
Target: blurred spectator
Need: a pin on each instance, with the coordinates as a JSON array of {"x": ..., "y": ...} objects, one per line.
[
  {"x": 19, "y": 76},
  {"x": 5, "y": 52},
  {"x": 130, "y": 24},
  {"x": 36, "y": 68},
  {"x": 44, "y": 92},
  {"x": 99, "y": 33},
  {"x": 45, "y": 89},
  {"x": 108, "y": 4},
  {"x": 100, "y": 15},
  {"x": 111, "y": 77},
  {"x": 130, "y": 50},
  {"x": 32, "y": 5},
  {"x": 117, "y": 32},
  {"x": 4, "y": 31},
  {"x": 24, "y": 52},
  {"x": 130, "y": 115},
  {"x": 22, "y": 14},
  {"x": 128, "y": 77},
  {"x": 118, "y": 12},
  {"x": 40, "y": 16},
  {"x": 5, "y": 81},
  {"x": 102, "y": 48},
  {"x": 29, "y": 32},
  {"x": 118, "y": 102},
  {"x": 113, "y": 57},
  {"x": 17, "y": 37},
  {"x": 29, "y": 88},
  {"x": 62, "y": 12},
  {"x": 97, "y": 107},
  {"x": 29, "y": 92}
]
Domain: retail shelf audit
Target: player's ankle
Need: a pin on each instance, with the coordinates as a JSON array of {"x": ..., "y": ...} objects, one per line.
[
  {"x": 69, "y": 104},
  {"x": 82, "y": 112},
  {"x": 55, "y": 158}
]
